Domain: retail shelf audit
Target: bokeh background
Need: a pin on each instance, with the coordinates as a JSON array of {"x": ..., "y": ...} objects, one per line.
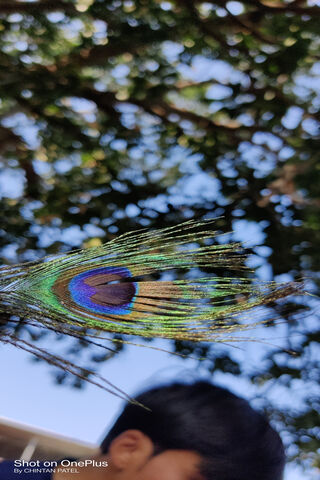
[{"x": 121, "y": 114}]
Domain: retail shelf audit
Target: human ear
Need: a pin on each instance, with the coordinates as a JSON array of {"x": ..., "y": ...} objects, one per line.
[{"x": 130, "y": 450}]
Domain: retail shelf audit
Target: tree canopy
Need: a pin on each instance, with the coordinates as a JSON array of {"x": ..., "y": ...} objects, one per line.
[{"x": 121, "y": 114}]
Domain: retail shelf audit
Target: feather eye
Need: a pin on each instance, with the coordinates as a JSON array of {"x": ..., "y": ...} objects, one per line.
[{"x": 98, "y": 290}]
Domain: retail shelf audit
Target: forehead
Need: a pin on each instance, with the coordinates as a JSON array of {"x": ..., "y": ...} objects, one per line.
[{"x": 174, "y": 465}]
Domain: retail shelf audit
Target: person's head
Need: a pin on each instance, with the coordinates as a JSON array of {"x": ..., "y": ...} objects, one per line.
[{"x": 198, "y": 431}]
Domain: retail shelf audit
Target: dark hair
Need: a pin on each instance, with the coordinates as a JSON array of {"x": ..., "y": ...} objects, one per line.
[{"x": 235, "y": 441}]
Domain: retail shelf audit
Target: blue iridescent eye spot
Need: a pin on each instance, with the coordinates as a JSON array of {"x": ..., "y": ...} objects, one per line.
[{"x": 101, "y": 290}]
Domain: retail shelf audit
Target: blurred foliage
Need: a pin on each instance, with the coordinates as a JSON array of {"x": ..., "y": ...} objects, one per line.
[{"x": 121, "y": 114}]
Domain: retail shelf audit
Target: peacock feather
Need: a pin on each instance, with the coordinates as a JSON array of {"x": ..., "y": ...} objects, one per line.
[{"x": 127, "y": 287}]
